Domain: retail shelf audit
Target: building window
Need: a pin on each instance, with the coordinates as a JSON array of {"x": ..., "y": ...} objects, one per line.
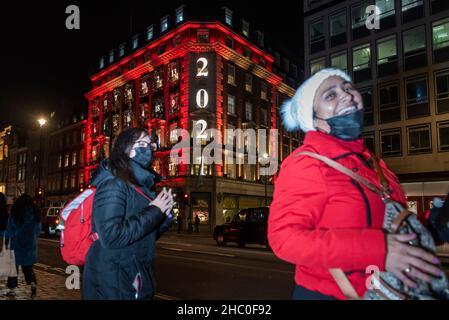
[
  {"x": 414, "y": 43},
  {"x": 387, "y": 58},
  {"x": 442, "y": 88},
  {"x": 419, "y": 140},
  {"x": 263, "y": 116},
  {"x": 358, "y": 19},
  {"x": 66, "y": 160},
  {"x": 164, "y": 24},
  {"x": 73, "y": 180},
  {"x": 246, "y": 52},
  {"x": 264, "y": 90},
  {"x": 443, "y": 136},
  {"x": 411, "y": 10},
  {"x": 121, "y": 50},
  {"x": 387, "y": 13},
  {"x": 161, "y": 49},
  {"x": 231, "y": 104},
  {"x": 370, "y": 141},
  {"x": 66, "y": 181},
  {"x": 340, "y": 61},
  {"x": 74, "y": 157},
  {"x": 59, "y": 161},
  {"x": 228, "y": 16},
  {"x": 260, "y": 39},
  {"x": 248, "y": 82},
  {"x": 316, "y": 34},
  {"x": 361, "y": 62},
  {"x": 150, "y": 32},
  {"x": 245, "y": 28},
  {"x": 135, "y": 42},
  {"x": 439, "y": 6},
  {"x": 316, "y": 65},
  {"x": 390, "y": 142},
  {"x": 389, "y": 103},
  {"x": 180, "y": 14},
  {"x": 417, "y": 97},
  {"x": 367, "y": 97},
  {"x": 440, "y": 36},
  {"x": 173, "y": 72},
  {"x": 158, "y": 81},
  {"x": 174, "y": 103},
  {"x": 337, "y": 29},
  {"x": 101, "y": 63},
  {"x": 111, "y": 56},
  {"x": 81, "y": 161},
  {"x": 173, "y": 134},
  {"x": 229, "y": 42},
  {"x": 172, "y": 167},
  {"x": 231, "y": 74},
  {"x": 202, "y": 36},
  {"x": 248, "y": 111},
  {"x": 230, "y": 137}
]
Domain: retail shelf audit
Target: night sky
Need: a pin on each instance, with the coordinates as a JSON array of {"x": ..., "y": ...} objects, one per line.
[{"x": 46, "y": 68}]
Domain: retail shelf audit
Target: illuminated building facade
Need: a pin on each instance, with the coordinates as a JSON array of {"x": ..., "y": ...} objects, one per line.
[{"x": 194, "y": 71}]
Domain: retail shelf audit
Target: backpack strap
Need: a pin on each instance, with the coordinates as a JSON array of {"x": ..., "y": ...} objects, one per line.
[{"x": 139, "y": 190}]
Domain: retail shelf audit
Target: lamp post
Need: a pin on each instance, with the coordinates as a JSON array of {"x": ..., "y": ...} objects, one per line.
[{"x": 42, "y": 123}]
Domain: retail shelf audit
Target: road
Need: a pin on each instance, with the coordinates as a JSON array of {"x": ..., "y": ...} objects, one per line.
[{"x": 192, "y": 267}]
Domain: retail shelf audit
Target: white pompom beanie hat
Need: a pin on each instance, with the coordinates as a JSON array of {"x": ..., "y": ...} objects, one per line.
[{"x": 297, "y": 112}]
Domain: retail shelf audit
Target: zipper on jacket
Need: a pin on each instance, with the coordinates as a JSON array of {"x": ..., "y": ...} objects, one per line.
[{"x": 365, "y": 199}]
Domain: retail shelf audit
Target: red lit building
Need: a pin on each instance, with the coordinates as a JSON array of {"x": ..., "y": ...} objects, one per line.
[{"x": 192, "y": 71}]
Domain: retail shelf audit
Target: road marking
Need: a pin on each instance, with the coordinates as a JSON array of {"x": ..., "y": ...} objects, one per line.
[
  {"x": 175, "y": 244},
  {"x": 200, "y": 252},
  {"x": 162, "y": 296},
  {"x": 225, "y": 263}
]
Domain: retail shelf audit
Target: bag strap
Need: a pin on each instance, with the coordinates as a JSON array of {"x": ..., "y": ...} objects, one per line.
[
  {"x": 343, "y": 282},
  {"x": 337, "y": 166},
  {"x": 139, "y": 190}
]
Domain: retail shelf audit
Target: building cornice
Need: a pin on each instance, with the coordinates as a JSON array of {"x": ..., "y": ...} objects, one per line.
[{"x": 190, "y": 46}]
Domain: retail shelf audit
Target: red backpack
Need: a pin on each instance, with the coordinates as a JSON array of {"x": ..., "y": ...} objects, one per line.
[{"x": 77, "y": 235}]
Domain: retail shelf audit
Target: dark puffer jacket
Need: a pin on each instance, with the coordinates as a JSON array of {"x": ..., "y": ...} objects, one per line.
[{"x": 119, "y": 264}]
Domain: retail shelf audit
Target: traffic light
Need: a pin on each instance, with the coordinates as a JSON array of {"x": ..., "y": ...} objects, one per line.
[
  {"x": 81, "y": 187},
  {"x": 39, "y": 192},
  {"x": 186, "y": 199}
]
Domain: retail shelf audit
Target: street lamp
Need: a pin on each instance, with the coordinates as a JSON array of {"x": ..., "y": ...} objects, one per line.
[
  {"x": 42, "y": 123},
  {"x": 265, "y": 156}
]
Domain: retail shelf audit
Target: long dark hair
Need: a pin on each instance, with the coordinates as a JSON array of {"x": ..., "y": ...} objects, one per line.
[
  {"x": 3, "y": 212},
  {"x": 119, "y": 159},
  {"x": 23, "y": 209}
]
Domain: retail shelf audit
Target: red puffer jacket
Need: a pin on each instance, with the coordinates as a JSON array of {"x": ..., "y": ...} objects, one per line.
[{"x": 321, "y": 218}]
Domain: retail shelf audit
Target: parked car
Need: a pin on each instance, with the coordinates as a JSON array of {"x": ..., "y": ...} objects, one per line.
[
  {"x": 50, "y": 220},
  {"x": 248, "y": 226}
]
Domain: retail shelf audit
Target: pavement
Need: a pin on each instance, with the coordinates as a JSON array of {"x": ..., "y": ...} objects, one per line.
[{"x": 50, "y": 286}]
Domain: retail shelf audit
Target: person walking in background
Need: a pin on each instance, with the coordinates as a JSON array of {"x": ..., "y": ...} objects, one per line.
[
  {"x": 23, "y": 230},
  {"x": 127, "y": 219},
  {"x": 179, "y": 221},
  {"x": 197, "y": 223},
  {"x": 3, "y": 212}
]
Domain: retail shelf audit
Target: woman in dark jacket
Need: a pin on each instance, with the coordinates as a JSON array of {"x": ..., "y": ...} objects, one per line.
[
  {"x": 23, "y": 230},
  {"x": 128, "y": 223}
]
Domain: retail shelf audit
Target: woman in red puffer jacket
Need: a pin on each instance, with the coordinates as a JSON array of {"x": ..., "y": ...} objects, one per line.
[{"x": 322, "y": 219}]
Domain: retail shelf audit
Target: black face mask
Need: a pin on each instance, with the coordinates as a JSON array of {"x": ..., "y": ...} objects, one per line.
[
  {"x": 143, "y": 156},
  {"x": 346, "y": 127}
]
